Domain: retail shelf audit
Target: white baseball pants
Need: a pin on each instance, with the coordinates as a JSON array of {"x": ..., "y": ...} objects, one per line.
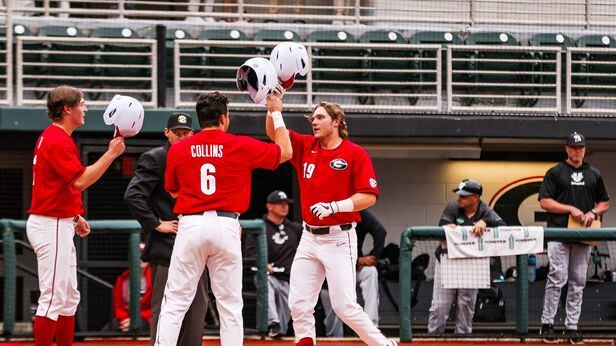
[
  {"x": 332, "y": 256},
  {"x": 211, "y": 241},
  {"x": 52, "y": 241},
  {"x": 568, "y": 262}
]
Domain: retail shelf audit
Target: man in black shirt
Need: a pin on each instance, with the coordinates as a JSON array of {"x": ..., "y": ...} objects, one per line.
[
  {"x": 573, "y": 189},
  {"x": 468, "y": 210},
  {"x": 367, "y": 274},
  {"x": 152, "y": 206},
  {"x": 283, "y": 238}
]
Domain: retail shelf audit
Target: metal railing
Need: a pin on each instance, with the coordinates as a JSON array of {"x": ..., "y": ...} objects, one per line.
[
  {"x": 9, "y": 228},
  {"x": 407, "y": 77},
  {"x": 580, "y": 13},
  {"x": 6, "y": 55},
  {"x": 412, "y": 234},
  {"x": 504, "y": 78},
  {"x": 99, "y": 66},
  {"x": 591, "y": 77}
]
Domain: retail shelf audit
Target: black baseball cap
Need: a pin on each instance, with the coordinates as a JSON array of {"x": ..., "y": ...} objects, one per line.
[
  {"x": 576, "y": 140},
  {"x": 179, "y": 120},
  {"x": 469, "y": 187},
  {"x": 277, "y": 197}
]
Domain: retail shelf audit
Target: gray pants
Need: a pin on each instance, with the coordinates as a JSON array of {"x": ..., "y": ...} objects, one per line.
[
  {"x": 278, "y": 303},
  {"x": 191, "y": 332},
  {"x": 567, "y": 262},
  {"x": 368, "y": 281},
  {"x": 442, "y": 298}
]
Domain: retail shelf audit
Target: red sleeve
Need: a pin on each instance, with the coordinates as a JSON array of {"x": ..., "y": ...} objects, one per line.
[
  {"x": 363, "y": 174},
  {"x": 118, "y": 300},
  {"x": 262, "y": 154},
  {"x": 297, "y": 142},
  {"x": 171, "y": 182},
  {"x": 63, "y": 158}
]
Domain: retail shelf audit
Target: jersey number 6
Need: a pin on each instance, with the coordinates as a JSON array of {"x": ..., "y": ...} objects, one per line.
[{"x": 208, "y": 180}]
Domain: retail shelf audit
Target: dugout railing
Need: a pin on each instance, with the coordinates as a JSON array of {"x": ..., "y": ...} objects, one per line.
[
  {"x": 413, "y": 234},
  {"x": 132, "y": 230}
]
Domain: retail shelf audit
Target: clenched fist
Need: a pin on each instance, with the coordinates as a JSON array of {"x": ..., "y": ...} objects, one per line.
[{"x": 323, "y": 210}]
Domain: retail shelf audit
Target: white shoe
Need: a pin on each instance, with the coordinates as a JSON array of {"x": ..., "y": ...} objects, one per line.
[{"x": 391, "y": 342}]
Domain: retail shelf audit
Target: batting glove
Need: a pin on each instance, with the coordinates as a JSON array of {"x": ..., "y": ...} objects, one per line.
[{"x": 323, "y": 210}]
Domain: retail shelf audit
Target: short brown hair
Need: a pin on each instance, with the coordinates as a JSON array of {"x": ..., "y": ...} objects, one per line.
[
  {"x": 209, "y": 108},
  {"x": 59, "y": 97},
  {"x": 335, "y": 112}
]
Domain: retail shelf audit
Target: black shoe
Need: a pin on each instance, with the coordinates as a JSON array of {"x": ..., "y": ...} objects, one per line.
[
  {"x": 574, "y": 336},
  {"x": 547, "y": 334},
  {"x": 273, "y": 331}
]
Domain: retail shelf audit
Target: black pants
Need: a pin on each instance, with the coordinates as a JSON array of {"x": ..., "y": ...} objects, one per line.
[{"x": 192, "y": 327}]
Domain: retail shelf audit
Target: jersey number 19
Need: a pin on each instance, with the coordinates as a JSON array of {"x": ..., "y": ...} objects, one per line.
[{"x": 208, "y": 180}]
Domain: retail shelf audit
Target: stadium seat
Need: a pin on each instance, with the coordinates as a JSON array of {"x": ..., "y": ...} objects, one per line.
[
  {"x": 86, "y": 61},
  {"x": 170, "y": 36},
  {"x": 224, "y": 66},
  {"x": 549, "y": 40},
  {"x": 593, "y": 41},
  {"x": 344, "y": 69},
  {"x": 268, "y": 35},
  {"x": 444, "y": 38},
  {"x": 134, "y": 59},
  {"x": 394, "y": 38},
  {"x": 492, "y": 39}
]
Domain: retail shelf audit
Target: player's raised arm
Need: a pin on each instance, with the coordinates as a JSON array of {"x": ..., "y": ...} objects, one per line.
[
  {"x": 94, "y": 171},
  {"x": 276, "y": 129}
]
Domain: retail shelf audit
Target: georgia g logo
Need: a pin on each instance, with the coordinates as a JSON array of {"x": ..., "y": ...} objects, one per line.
[{"x": 338, "y": 164}]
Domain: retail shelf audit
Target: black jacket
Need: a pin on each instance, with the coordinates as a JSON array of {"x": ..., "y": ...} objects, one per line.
[
  {"x": 370, "y": 225},
  {"x": 148, "y": 202},
  {"x": 282, "y": 243}
]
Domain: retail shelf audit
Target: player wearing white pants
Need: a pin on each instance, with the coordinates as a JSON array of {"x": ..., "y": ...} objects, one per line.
[
  {"x": 210, "y": 173},
  {"x": 568, "y": 262},
  {"x": 334, "y": 256},
  {"x": 204, "y": 240},
  {"x": 52, "y": 241},
  {"x": 368, "y": 282}
]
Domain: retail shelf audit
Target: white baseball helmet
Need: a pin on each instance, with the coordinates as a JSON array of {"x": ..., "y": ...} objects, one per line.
[
  {"x": 303, "y": 63},
  {"x": 126, "y": 113},
  {"x": 258, "y": 76},
  {"x": 284, "y": 59}
]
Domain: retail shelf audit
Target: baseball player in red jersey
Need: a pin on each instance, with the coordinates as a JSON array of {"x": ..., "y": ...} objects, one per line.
[
  {"x": 336, "y": 180},
  {"x": 210, "y": 173},
  {"x": 58, "y": 178}
]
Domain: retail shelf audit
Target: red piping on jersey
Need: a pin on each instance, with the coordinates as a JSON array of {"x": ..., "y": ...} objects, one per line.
[{"x": 55, "y": 263}]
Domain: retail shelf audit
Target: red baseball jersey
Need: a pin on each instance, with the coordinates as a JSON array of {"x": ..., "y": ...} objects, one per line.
[
  {"x": 212, "y": 170},
  {"x": 331, "y": 175},
  {"x": 55, "y": 167}
]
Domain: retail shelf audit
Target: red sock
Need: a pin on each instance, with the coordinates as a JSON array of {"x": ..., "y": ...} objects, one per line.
[
  {"x": 44, "y": 329},
  {"x": 305, "y": 342},
  {"x": 65, "y": 330}
]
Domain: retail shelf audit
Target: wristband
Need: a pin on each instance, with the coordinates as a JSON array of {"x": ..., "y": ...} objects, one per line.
[
  {"x": 344, "y": 206},
  {"x": 277, "y": 119}
]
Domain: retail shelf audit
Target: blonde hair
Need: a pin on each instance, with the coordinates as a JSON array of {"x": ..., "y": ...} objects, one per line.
[{"x": 336, "y": 113}]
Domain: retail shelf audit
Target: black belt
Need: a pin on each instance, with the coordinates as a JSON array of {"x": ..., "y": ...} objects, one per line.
[
  {"x": 325, "y": 230},
  {"x": 221, "y": 213}
]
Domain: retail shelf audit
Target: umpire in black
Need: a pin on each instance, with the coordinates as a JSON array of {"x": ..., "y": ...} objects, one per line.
[{"x": 152, "y": 206}]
